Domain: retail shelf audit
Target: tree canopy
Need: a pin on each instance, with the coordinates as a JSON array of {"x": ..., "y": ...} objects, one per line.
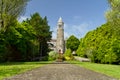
[
  {"x": 102, "y": 45},
  {"x": 23, "y": 41},
  {"x": 72, "y": 43},
  {"x": 43, "y": 33},
  {"x": 113, "y": 15},
  {"x": 10, "y": 10}
]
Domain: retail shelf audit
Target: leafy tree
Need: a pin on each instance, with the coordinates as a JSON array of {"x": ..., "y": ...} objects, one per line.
[
  {"x": 18, "y": 43},
  {"x": 43, "y": 33},
  {"x": 52, "y": 55},
  {"x": 72, "y": 43},
  {"x": 2, "y": 47},
  {"x": 26, "y": 43},
  {"x": 113, "y": 15},
  {"x": 100, "y": 45},
  {"x": 114, "y": 12},
  {"x": 68, "y": 54},
  {"x": 10, "y": 10},
  {"x": 80, "y": 51}
]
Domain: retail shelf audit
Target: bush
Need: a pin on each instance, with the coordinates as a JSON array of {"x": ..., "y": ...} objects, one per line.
[
  {"x": 52, "y": 55},
  {"x": 68, "y": 55},
  {"x": 45, "y": 58}
]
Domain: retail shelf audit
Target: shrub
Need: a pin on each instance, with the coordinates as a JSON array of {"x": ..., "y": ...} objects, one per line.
[
  {"x": 52, "y": 55},
  {"x": 68, "y": 55}
]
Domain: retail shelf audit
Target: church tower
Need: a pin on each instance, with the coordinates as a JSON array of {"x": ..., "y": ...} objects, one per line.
[{"x": 60, "y": 44}]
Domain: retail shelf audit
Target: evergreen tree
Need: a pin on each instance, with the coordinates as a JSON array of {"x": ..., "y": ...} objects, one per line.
[{"x": 43, "y": 33}]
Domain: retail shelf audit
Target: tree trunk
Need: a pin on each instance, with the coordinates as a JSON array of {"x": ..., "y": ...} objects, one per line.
[{"x": 40, "y": 48}]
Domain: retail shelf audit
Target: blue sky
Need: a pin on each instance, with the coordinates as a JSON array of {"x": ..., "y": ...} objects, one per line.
[{"x": 79, "y": 16}]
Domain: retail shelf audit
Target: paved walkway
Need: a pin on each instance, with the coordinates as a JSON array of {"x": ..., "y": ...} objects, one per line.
[{"x": 60, "y": 71}]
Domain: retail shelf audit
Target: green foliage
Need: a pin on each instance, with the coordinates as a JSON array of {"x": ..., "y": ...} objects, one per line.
[
  {"x": 101, "y": 45},
  {"x": 72, "y": 43},
  {"x": 20, "y": 42},
  {"x": 68, "y": 54},
  {"x": 113, "y": 16},
  {"x": 43, "y": 33},
  {"x": 10, "y": 10},
  {"x": 52, "y": 55},
  {"x": 81, "y": 51},
  {"x": 114, "y": 11},
  {"x": 17, "y": 44},
  {"x": 16, "y": 40}
]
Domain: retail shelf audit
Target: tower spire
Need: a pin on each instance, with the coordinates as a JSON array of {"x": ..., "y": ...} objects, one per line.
[
  {"x": 60, "y": 19},
  {"x": 60, "y": 22}
]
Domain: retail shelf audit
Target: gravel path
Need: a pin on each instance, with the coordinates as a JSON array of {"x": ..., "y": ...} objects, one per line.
[{"x": 60, "y": 71}]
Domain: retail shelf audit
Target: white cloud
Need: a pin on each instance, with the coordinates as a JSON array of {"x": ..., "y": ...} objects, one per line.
[{"x": 77, "y": 30}]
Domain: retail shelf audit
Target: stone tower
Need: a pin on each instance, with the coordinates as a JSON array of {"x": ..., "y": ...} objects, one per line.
[{"x": 60, "y": 43}]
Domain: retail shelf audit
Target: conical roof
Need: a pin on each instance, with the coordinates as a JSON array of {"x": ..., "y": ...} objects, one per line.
[{"x": 60, "y": 20}]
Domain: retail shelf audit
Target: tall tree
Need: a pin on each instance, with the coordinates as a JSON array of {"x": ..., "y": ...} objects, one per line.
[
  {"x": 72, "y": 43},
  {"x": 10, "y": 10},
  {"x": 114, "y": 12},
  {"x": 42, "y": 30},
  {"x": 113, "y": 15}
]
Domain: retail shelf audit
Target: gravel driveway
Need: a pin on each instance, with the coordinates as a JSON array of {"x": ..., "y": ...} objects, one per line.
[{"x": 60, "y": 71}]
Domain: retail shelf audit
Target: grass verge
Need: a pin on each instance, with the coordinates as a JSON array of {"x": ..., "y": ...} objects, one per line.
[
  {"x": 13, "y": 68},
  {"x": 107, "y": 69}
]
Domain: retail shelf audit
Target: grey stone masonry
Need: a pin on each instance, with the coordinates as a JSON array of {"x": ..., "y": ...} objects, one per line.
[{"x": 60, "y": 44}]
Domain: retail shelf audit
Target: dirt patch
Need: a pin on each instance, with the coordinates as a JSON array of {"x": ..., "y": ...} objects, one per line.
[{"x": 60, "y": 71}]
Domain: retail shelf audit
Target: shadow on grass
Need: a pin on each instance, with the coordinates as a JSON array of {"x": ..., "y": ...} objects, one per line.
[
  {"x": 26, "y": 63},
  {"x": 39, "y": 62},
  {"x": 68, "y": 62}
]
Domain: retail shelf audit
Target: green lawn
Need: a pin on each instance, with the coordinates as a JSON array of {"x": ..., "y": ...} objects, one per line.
[
  {"x": 10, "y": 69},
  {"x": 110, "y": 70}
]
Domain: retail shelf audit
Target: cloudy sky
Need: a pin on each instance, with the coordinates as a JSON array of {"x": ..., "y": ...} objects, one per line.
[{"x": 79, "y": 16}]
